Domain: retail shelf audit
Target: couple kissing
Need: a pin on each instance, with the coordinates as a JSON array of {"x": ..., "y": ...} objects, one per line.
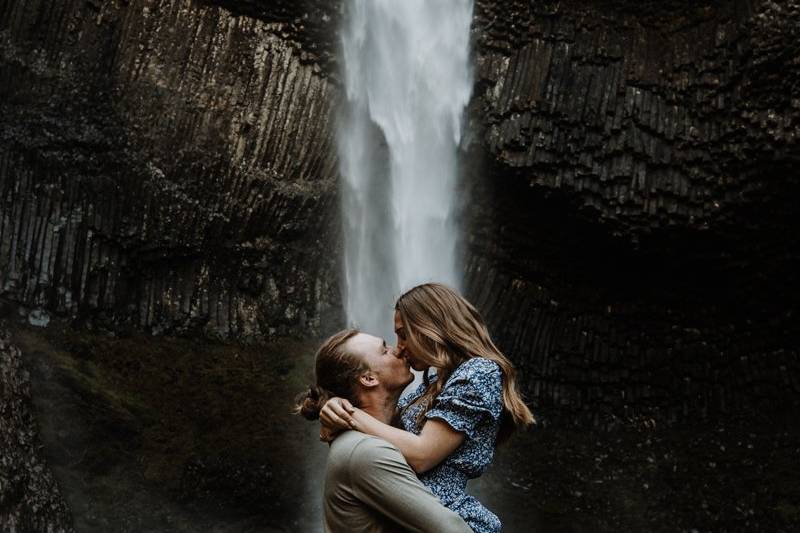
[{"x": 402, "y": 463}]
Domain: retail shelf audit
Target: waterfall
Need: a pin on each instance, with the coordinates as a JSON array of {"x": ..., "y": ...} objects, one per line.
[{"x": 408, "y": 80}]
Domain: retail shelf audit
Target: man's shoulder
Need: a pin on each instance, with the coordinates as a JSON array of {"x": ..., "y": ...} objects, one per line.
[
  {"x": 350, "y": 438},
  {"x": 357, "y": 449}
]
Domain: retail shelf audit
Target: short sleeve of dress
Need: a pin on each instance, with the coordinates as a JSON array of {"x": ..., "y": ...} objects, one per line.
[{"x": 471, "y": 398}]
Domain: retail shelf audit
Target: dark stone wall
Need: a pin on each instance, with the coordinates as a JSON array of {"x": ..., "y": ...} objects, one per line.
[
  {"x": 635, "y": 204},
  {"x": 30, "y": 499},
  {"x": 168, "y": 165},
  {"x": 654, "y": 114},
  {"x": 631, "y": 170}
]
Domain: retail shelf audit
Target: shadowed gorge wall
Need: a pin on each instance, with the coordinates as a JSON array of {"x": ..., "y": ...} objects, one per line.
[
  {"x": 169, "y": 165},
  {"x": 642, "y": 160}
]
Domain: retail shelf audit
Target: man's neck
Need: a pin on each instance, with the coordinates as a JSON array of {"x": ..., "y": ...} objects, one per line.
[{"x": 381, "y": 404}]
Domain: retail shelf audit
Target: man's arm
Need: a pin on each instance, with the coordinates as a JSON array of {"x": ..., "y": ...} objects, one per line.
[{"x": 384, "y": 482}]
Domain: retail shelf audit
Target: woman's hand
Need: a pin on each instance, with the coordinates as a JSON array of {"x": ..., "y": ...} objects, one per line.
[
  {"x": 336, "y": 414},
  {"x": 327, "y": 434}
]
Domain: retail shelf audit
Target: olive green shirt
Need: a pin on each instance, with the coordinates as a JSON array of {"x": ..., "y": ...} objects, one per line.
[{"x": 369, "y": 487}]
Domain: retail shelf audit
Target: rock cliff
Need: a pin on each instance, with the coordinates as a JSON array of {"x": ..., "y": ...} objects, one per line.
[
  {"x": 635, "y": 202},
  {"x": 170, "y": 166}
]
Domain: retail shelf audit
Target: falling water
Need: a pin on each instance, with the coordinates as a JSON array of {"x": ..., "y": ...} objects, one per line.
[{"x": 407, "y": 79}]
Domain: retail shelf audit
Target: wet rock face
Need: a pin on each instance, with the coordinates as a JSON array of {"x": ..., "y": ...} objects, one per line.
[
  {"x": 654, "y": 115},
  {"x": 30, "y": 499},
  {"x": 638, "y": 164},
  {"x": 169, "y": 165}
]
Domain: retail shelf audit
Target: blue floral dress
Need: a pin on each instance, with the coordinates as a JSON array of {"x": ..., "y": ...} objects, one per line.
[{"x": 471, "y": 402}]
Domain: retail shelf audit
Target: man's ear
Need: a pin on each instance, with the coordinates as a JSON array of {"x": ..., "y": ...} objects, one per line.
[{"x": 368, "y": 380}]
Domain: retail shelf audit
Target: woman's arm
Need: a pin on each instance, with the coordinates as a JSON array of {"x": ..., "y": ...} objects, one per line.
[{"x": 424, "y": 451}]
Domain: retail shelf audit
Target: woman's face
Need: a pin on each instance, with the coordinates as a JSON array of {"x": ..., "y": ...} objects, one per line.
[{"x": 402, "y": 346}]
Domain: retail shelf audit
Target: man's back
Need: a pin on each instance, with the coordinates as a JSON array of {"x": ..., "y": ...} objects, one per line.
[{"x": 370, "y": 487}]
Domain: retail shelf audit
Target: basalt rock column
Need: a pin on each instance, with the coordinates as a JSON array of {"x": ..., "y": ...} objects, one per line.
[
  {"x": 631, "y": 239},
  {"x": 169, "y": 165}
]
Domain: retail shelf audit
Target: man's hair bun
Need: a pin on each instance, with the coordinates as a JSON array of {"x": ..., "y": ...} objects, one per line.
[{"x": 309, "y": 403}]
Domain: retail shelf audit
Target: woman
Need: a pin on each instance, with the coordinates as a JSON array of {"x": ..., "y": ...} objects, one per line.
[{"x": 451, "y": 424}]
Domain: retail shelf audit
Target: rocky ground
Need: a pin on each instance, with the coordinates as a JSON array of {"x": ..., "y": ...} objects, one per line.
[
  {"x": 149, "y": 434},
  {"x": 30, "y": 499}
]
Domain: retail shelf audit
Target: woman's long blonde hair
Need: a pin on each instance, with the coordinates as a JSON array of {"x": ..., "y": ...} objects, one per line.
[{"x": 442, "y": 330}]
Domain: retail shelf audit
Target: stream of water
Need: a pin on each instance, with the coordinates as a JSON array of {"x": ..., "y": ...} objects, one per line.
[{"x": 408, "y": 80}]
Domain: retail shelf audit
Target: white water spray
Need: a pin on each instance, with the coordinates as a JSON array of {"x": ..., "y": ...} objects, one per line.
[{"x": 408, "y": 80}]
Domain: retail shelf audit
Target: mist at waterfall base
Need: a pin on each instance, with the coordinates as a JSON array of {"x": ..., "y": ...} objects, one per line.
[{"x": 408, "y": 80}]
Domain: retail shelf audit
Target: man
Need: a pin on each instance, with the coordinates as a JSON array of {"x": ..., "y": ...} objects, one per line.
[{"x": 368, "y": 484}]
